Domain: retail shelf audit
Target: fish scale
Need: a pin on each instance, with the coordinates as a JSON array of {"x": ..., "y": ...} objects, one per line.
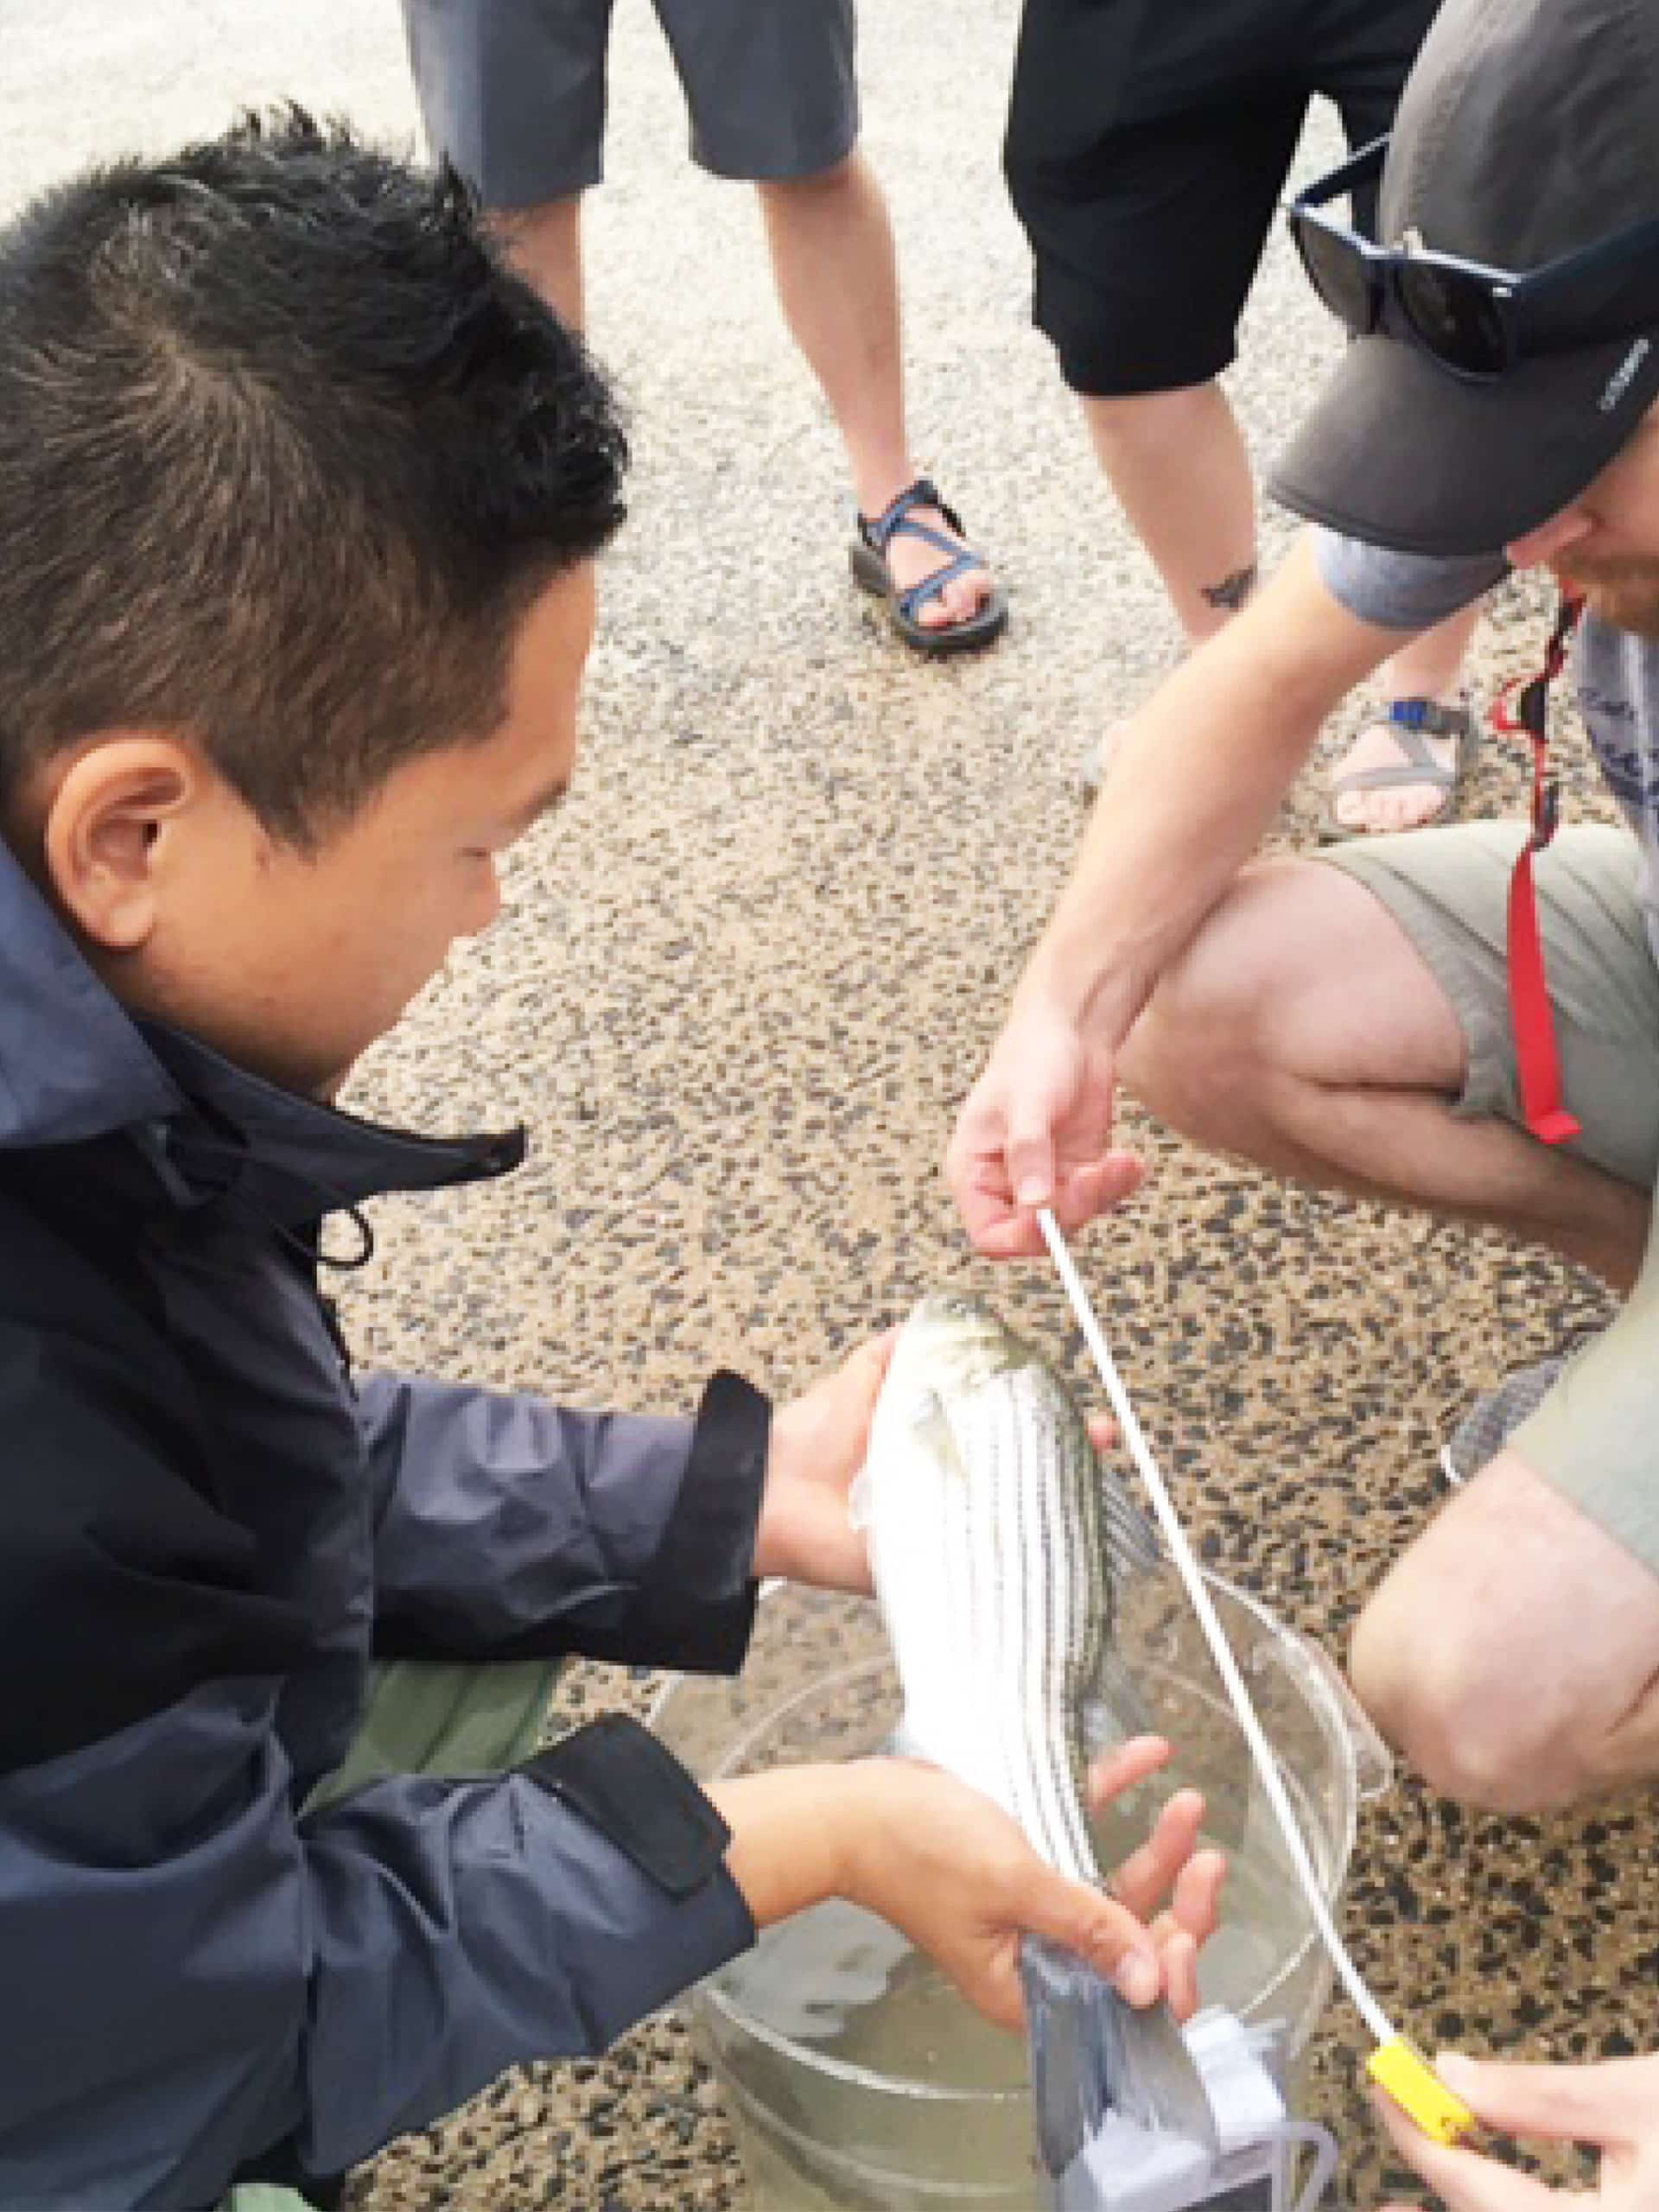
[{"x": 995, "y": 1541}]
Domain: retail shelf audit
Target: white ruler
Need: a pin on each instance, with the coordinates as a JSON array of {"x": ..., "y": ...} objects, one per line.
[{"x": 1181, "y": 1552}]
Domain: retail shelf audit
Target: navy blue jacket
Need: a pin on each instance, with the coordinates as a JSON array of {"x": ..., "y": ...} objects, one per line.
[{"x": 205, "y": 1529}]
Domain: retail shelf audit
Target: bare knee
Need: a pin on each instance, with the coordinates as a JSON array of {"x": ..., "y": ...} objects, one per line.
[
  {"x": 1512, "y": 1653},
  {"x": 849, "y": 173},
  {"x": 1431, "y": 1690},
  {"x": 1203, "y": 1049},
  {"x": 1297, "y": 988},
  {"x": 1142, "y": 419}
]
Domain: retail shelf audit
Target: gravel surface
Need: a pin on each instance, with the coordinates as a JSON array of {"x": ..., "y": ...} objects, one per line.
[{"x": 740, "y": 985}]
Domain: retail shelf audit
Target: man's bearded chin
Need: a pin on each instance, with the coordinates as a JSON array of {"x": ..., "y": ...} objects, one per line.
[{"x": 1624, "y": 594}]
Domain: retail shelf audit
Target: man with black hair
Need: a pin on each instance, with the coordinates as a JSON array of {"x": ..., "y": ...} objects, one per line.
[
  {"x": 301, "y": 491},
  {"x": 1466, "y": 1018}
]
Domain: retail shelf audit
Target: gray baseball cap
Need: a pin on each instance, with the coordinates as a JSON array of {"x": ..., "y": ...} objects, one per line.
[{"x": 1528, "y": 129}]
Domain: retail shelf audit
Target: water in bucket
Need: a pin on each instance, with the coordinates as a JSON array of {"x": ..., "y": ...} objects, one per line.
[{"x": 853, "y": 2075}]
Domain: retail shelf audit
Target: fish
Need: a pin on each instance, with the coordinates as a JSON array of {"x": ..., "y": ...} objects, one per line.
[{"x": 998, "y": 1544}]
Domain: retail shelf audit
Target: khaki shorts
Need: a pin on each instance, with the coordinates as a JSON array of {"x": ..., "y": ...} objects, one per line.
[{"x": 1596, "y": 1437}]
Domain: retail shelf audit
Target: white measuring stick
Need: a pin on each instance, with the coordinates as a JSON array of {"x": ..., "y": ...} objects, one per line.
[{"x": 1181, "y": 1552}]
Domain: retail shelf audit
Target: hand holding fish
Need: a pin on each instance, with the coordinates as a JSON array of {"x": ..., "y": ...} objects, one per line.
[
  {"x": 1035, "y": 1130},
  {"x": 957, "y": 1875},
  {"x": 819, "y": 1445},
  {"x": 1613, "y": 2108}
]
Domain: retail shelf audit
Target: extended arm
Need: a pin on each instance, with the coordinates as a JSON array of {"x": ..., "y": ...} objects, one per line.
[
  {"x": 1197, "y": 781},
  {"x": 507, "y": 1527}
]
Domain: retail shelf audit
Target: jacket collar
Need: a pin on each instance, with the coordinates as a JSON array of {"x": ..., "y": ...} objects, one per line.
[
  {"x": 292, "y": 1157},
  {"x": 72, "y": 1064},
  {"x": 75, "y": 1065}
]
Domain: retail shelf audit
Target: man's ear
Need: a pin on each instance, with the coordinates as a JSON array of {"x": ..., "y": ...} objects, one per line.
[{"x": 104, "y": 838}]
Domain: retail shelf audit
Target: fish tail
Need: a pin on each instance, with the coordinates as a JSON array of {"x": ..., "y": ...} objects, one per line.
[
  {"x": 1092, "y": 2053},
  {"x": 1070, "y": 2042}
]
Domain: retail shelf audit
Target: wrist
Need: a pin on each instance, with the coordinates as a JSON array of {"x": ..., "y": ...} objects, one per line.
[
  {"x": 875, "y": 1791},
  {"x": 1072, "y": 980},
  {"x": 790, "y": 1846},
  {"x": 774, "y": 1542}
]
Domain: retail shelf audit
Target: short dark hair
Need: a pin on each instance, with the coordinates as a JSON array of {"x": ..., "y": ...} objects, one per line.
[{"x": 286, "y": 453}]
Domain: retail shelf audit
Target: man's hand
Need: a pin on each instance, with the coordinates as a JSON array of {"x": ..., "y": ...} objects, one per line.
[
  {"x": 953, "y": 1873},
  {"x": 1035, "y": 1130},
  {"x": 1169, "y": 1882},
  {"x": 819, "y": 1441},
  {"x": 1613, "y": 2108},
  {"x": 819, "y": 1445}
]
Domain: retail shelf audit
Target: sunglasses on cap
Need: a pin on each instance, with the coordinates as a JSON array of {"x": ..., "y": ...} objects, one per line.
[{"x": 1474, "y": 321}]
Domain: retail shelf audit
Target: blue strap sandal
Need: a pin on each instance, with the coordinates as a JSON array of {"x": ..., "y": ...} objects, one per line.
[
  {"x": 1411, "y": 722},
  {"x": 868, "y": 555}
]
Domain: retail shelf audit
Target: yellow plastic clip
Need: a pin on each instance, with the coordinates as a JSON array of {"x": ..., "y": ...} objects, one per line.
[{"x": 1399, "y": 2069}]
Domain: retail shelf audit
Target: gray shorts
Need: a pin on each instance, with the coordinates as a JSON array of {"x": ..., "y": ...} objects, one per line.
[
  {"x": 1594, "y": 1436},
  {"x": 513, "y": 90}
]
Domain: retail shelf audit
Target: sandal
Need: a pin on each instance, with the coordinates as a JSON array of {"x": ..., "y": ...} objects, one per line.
[
  {"x": 868, "y": 557},
  {"x": 1413, "y": 723},
  {"x": 1487, "y": 1426}
]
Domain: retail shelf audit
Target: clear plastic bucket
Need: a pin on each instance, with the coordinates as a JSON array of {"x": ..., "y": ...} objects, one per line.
[{"x": 913, "y": 2105}]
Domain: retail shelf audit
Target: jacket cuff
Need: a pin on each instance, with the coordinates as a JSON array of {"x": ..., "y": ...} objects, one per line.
[
  {"x": 627, "y": 1784},
  {"x": 699, "y": 1596},
  {"x": 688, "y": 1917}
]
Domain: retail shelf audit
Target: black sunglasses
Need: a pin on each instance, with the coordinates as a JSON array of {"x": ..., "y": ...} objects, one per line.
[{"x": 1475, "y": 320}]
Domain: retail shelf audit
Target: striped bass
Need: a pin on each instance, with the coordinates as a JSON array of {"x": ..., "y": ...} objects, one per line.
[{"x": 996, "y": 1543}]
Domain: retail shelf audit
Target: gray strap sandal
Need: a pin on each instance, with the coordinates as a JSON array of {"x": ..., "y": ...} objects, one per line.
[
  {"x": 1487, "y": 1426},
  {"x": 1412, "y": 722},
  {"x": 869, "y": 561}
]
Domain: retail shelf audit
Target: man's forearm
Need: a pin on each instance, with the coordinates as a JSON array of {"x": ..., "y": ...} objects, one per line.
[{"x": 1196, "y": 782}]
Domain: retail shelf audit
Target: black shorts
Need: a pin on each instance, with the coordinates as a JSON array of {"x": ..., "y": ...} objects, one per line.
[{"x": 1148, "y": 147}]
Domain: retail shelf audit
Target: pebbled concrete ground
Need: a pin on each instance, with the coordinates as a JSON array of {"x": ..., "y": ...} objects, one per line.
[{"x": 741, "y": 986}]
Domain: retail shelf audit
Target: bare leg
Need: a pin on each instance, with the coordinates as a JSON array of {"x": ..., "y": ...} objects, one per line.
[
  {"x": 1512, "y": 1653},
  {"x": 1428, "y": 668},
  {"x": 1300, "y": 1029},
  {"x": 545, "y": 243},
  {"x": 838, "y": 278},
  {"x": 1177, "y": 462}
]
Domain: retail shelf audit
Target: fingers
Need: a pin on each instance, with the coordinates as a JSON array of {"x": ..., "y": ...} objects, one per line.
[
  {"x": 1121, "y": 1768},
  {"x": 1079, "y": 1194},
  {"x": 999, "y": 1994},
  {"x": 1028, "y": 1157},
  {"x": 1180, "y": 1956},
  {"x": 1600, "y": 2104},
  {"x": 1105, "y": 1183},
  {"x": 1145, "y": 1878},
  {"x": 1002, "y": 1230},
  {"x": 1104, "y": 1432},
  {"x": 1194, "y": 1909},
  {"x": 1196, "y": 1905},
  {"x": 999, "y": 1232},
  {"x": 872, "y": 1360},
  {"x": 1100, "y": 1931},
  {"x": 1000, "y": 1165},
  {"x": 979, "y": 1183},
  {"x": 1464, "y": 2182}
]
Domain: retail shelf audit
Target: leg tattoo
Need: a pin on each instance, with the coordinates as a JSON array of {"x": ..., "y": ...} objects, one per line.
[{"x": 1232, "y": 591}]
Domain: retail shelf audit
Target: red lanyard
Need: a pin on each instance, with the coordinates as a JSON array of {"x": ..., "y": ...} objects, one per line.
[{"x": 1536, "y": 1057}]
